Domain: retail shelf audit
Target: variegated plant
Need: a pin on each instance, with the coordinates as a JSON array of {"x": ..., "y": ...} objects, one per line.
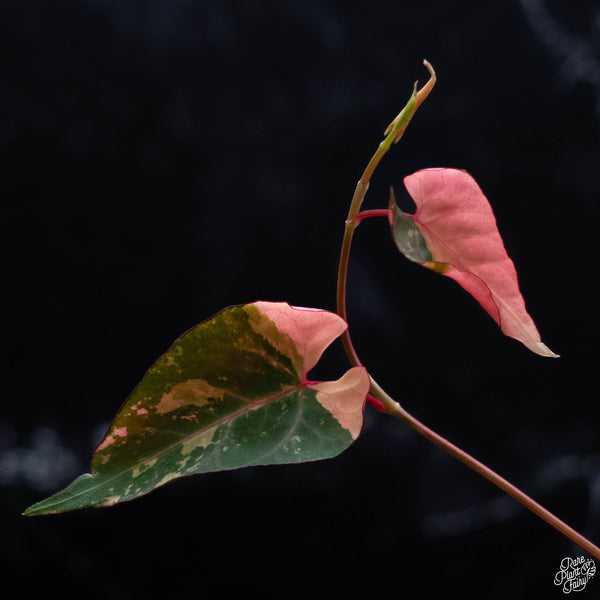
[
  {"x": 231, "y": 392},
  {"x": 234, "y": 391}
]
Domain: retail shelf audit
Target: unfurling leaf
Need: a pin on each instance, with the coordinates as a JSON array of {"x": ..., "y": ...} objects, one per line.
[
  {"x": 454, "y": 232},
  {"x": 231, "y": 392}
]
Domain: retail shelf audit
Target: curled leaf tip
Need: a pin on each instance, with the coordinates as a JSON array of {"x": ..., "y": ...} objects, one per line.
[
  {"x": 397, "y": 127},
  {"x": 424, "y": 91}
]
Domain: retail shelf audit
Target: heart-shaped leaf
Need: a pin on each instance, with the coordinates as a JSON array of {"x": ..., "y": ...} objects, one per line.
[
  {"x": 231, "y": 392},
  {"x": 454, "y": 232}
]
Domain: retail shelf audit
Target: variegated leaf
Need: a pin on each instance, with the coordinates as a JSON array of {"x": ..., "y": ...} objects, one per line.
[{"x": 231, "y": 392}]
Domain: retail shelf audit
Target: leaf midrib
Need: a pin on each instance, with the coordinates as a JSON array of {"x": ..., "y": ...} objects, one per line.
[{"x": 250, "y": 406}]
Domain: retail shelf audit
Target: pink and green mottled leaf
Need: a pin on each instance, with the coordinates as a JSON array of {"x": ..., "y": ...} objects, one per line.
[
  {"x": 454, "y": 232},
  {"x": 231, "y": 392}
]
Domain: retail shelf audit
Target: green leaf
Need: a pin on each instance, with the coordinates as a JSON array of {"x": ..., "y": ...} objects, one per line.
[{"x": 231, "y": 392}]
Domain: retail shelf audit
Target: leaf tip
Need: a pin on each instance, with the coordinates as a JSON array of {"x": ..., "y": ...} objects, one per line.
[
  {"x": 35, "y": 510},
  {"x": 543, "y": 350}
]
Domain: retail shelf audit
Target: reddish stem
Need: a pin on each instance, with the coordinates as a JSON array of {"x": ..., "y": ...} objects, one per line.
[
  {"x": 378, "y": 404},
  {"x": 397, "y": 411},
  {"x": 375, "y": 212}
]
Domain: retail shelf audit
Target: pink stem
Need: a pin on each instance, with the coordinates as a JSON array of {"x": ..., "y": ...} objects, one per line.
[
  {"x": 375, "y": 212},
  {"x": 378, "y": 404}
]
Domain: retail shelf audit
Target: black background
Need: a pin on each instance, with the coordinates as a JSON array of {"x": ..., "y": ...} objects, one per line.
[{"x": 163, "y": 159}]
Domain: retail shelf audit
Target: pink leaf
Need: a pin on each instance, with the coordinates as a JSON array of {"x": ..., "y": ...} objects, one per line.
[
  {"x": 454, "y": 232},
  {"x": 310, "y": 329}
]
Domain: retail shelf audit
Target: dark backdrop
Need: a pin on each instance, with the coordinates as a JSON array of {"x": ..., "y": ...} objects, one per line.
[{"x": 163, "y": 159}]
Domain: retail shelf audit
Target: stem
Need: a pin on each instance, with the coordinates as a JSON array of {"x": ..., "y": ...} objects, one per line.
[
  {"x": 375, "y": 212},
  {"x": 394, "y": 409},
  {"x": 341, "y": 291},
  {"x": 393, "y": 133}
]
